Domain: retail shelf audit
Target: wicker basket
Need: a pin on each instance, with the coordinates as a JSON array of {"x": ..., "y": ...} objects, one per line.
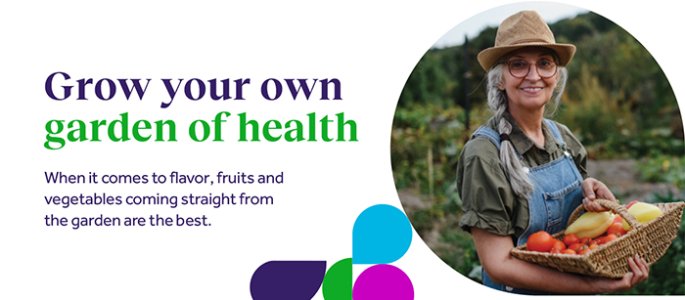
[{"x": 650, "y": 241}]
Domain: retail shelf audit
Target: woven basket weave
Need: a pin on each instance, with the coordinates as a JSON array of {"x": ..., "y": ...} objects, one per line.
[{"x": 650, "y": 241}]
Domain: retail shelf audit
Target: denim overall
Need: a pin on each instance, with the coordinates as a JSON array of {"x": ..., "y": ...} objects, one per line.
[{"x": 557, "y": 192}]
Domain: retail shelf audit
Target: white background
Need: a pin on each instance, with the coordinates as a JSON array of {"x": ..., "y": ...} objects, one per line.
[{"x": 370, "y": 47}]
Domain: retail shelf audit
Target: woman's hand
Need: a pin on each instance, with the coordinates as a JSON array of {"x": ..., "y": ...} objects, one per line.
[
  {"x": 639, "y": 272},
  {"x": 595, "y": 189}
]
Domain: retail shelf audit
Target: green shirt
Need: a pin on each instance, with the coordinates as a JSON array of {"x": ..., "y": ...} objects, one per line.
[{"x": 488, "y": 201}]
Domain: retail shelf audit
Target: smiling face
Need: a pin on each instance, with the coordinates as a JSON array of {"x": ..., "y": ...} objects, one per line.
[{"x": 531, "y": 91}]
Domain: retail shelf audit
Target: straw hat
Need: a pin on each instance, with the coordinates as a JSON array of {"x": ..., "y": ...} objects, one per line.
[{"x": 524, "y": 29}]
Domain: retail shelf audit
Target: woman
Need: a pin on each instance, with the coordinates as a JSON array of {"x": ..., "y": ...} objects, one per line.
[{"x": 521, "y": 173}]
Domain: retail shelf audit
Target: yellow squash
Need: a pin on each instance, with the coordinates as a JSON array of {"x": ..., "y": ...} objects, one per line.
[
  {"x": 590, "y": 224},
  {"x": 643, "y": 212}
]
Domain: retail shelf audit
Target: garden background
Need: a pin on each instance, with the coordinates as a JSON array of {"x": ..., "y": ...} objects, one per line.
[{"x": 617, "y": 102}]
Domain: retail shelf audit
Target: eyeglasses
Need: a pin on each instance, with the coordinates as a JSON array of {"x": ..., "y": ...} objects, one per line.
[{"x": 520, "y": 68}]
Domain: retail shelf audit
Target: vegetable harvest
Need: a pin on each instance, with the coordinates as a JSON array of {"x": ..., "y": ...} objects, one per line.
[{"x": 591, "y": 230}]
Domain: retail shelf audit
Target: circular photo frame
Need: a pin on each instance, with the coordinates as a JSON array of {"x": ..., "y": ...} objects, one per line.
[{"x": 617, "y": 102}]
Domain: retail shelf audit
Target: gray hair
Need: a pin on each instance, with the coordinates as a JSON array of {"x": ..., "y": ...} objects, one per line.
[{"x": 497, "y": 101}]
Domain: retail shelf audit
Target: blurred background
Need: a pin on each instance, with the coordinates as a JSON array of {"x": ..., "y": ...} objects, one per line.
[{"x": 617, "y": 102}]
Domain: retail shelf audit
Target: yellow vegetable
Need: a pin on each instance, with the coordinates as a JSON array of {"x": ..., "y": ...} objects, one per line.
[
  {"x": 590, "y": 224},
  {"x": 643, "y": 213}
]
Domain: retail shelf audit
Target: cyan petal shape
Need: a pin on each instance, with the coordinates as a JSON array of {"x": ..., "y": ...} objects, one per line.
[{"x": 381, "y": 235}]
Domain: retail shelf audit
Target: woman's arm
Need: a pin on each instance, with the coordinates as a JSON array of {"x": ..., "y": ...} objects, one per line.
[{"x": 493, "y": 251}]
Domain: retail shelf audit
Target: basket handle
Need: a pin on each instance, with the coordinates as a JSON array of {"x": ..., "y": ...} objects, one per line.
[{"x": 613, "y": 206}]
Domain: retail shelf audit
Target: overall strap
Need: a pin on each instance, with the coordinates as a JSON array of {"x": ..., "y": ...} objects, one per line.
[
  {"x": 488, "y": 133},
  {"x": 493, "y": 136},
  {"x": 555, "y": 131}
]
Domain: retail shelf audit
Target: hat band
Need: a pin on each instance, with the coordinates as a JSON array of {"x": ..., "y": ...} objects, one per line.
[{"x": 531, "y": 41}]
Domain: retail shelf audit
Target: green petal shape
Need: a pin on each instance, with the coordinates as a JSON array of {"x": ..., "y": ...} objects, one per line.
[{"x": 337, "y": 284}]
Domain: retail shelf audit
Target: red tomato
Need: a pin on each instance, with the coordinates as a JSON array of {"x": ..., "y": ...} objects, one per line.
[
  {"x": 601, "y": 240},
  {"x": 616, "y": 229},
  {"x": 585, "y": 240},
  {"x": 610, "y": 237},
  {"x": 558, "y": 247},
  {"x": 576, "y": 247},
  {"x": 570, "y": 239},
  {"x": 540, "y": 241},
  {"x": 584, "y": 251},
  {"x": 607, "y": 238},
  {"x": 568, "y": 251},
  {"x": 618, "y": 219}
]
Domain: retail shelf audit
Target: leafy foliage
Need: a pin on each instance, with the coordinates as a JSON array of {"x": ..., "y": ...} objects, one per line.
[{"x": 663, "y": 169}]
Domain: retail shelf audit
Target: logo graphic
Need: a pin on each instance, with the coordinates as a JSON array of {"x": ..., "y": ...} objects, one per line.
[{"x": 381, "y": 235}]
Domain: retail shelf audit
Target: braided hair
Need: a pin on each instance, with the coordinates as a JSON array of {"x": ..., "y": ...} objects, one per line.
[{"x": 497, "y": 101}]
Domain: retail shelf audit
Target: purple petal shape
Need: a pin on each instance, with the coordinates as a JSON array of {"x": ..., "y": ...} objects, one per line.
[{"x": 295, "y": 280}]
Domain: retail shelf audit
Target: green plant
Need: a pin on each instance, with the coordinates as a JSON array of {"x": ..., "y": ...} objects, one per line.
[
  {"x": 663, "y": 168},
  {"x": 458, "y": 250}
]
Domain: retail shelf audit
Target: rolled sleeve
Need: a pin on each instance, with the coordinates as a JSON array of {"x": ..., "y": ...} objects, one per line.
[{"x": 487, "y": 199}]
